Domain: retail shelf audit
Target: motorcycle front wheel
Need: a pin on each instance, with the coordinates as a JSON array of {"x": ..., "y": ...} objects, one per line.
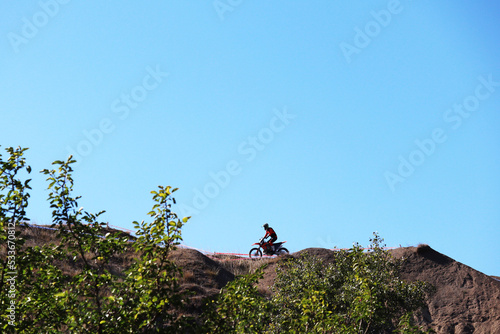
[
  {"x": 255, "y": 253},
  {"x": 282, "y": 251}
]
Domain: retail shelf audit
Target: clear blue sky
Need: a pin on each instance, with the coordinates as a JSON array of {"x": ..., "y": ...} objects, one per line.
[{"x": 327, "y": 119}]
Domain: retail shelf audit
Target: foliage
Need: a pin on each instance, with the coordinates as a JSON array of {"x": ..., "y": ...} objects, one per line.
[
  {"x": 360, "y": 292},
  {"x": 240, "y": 308},
  {"x": 304, "y": 289},
  {"x": 13, "y": 202},
  {"x": 153, "y": 280},
  {"x": 146, "y": 298}
]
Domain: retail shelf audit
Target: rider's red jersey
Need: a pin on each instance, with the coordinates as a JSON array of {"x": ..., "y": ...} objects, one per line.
[{"x": 270, "y": 233}]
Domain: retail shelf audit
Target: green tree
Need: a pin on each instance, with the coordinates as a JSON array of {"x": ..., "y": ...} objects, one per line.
[
  {"x": 146, "y": 298},
  {"x": 360, "y": 292},
  {"x": 239, "y": 308},
  {"x": 305, "y": 290},
  {"x": 14, "y": 197},
  {"x": 152, "y": 283},
  {"x": 83, "y": 301}
]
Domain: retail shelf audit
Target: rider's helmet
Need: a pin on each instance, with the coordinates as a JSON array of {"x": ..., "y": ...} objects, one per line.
[{"x": 265, "y": 226}]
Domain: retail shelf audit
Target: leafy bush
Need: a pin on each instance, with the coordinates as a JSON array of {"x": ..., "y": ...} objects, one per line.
[
  {"x": 360, "y": 292},
  {"x": 13, "y": 202},
  {"x": 239, "y": 308},
  {"x": 146, "y": 298}
]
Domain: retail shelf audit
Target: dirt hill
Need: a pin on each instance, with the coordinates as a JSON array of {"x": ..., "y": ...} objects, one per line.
[
  {"x": 201, "y": 275},
  {"x": 465, "y": 301}
]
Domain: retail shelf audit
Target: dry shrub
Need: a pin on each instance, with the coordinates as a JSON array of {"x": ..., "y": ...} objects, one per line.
[
  {"x": 242, "y": 266},
  {"x": 187, "y": 276}
]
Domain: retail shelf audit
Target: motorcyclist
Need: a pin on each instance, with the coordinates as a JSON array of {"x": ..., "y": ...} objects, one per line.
[{"x": 271, "y": 234}]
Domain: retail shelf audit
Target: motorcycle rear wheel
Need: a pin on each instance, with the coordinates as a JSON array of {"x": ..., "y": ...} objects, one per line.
[
  {"x": 283, "y": 251},
  {"x": 255, "y": 253}
]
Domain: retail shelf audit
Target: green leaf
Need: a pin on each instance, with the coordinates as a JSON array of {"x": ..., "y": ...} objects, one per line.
[{"x": 61, "y": 294}]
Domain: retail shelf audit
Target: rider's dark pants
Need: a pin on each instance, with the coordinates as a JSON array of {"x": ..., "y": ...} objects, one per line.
[{"x": 271, "y": 242}]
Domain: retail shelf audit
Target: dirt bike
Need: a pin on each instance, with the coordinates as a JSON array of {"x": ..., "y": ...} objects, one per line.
[{"x": 264, "y": 247}]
